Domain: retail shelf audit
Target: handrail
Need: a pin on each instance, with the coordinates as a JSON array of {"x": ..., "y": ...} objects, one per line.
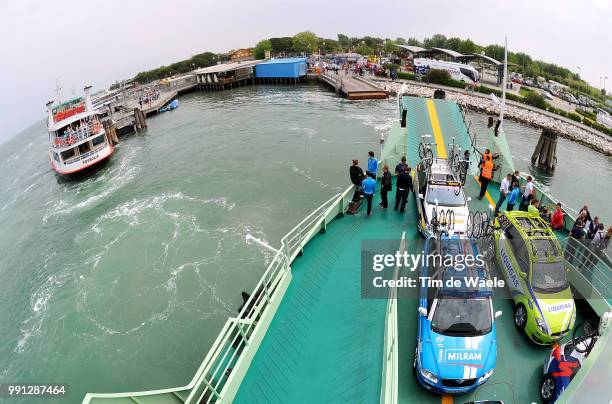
[
  {"x": 224, "y": 366},
  {"x": 77, "y": 135},
  {"x": 390, "y": 366}
]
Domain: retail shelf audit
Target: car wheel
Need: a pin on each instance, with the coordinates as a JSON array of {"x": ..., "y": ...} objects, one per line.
[
  {"x": 547, "y": 389},
  {"x": 520, "y": 316}
]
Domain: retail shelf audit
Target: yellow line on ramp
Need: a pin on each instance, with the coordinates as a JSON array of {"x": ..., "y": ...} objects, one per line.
[
  {"x": 435, "y": 127},
  {"x": 447, "y": 399}
]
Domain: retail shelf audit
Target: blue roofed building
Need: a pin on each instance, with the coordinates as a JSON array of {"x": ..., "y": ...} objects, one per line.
[{"x": 289, "y": 68}]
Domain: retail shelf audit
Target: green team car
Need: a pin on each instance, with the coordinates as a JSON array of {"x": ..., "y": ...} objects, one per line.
[{"x": 532, "y": 262}]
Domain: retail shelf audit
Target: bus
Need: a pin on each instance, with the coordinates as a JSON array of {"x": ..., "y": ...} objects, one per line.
[{"x": 458, "y": 71}]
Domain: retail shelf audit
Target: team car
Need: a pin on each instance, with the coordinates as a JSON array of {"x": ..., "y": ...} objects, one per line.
[
  {"x": 457, "y": 344},
  {"x": 439, "y": 189},
  {"x": 531, "y": 260}
]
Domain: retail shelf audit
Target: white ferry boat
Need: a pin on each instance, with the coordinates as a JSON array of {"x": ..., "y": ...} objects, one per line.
[{"x": 77, "y": 140}]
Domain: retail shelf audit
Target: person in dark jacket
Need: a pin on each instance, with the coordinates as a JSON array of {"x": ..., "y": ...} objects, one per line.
[
  {"x": 357, "y": 177},
  {"x": 404, "y": 186},
  {"x": 385, "y": 187}
]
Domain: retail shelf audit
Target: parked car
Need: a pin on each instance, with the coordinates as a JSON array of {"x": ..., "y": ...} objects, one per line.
[
  {"x": 533, "y": 264},
  {"x": 456, "y": 341}
]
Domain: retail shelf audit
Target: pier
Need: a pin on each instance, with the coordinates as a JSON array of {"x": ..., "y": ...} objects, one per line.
[{"x": 353, "y": 87}]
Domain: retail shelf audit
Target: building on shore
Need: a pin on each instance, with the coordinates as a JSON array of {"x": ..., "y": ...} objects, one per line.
[
  {"x": 289, "y": 68},
  {"x": 240, "y": 55},
  {"x": 226, "y": 75}
]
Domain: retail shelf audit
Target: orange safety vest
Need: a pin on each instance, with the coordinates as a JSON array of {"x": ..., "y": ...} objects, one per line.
[
  {"x": 487, "y": 170},
  {"x": 486, "y": 157}
]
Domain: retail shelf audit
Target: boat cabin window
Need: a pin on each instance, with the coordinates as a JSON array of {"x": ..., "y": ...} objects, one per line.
[
  {"x": 446, "y": 195},
  {"x": 68, "y": 154},
  {"x": 97, "y": 140},
  {"x": 84, "y": 148},
  {"x": 56, "y": 157}
]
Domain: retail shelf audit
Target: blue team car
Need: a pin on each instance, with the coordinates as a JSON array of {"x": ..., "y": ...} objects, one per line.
[{"x": 456, "y": 348}]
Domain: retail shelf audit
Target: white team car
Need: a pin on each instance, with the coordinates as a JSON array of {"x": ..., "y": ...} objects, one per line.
[{"x": 440, "y": 197}]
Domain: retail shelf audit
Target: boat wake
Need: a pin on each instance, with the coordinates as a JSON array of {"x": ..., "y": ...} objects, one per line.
[{"x": 96, "y": 189}]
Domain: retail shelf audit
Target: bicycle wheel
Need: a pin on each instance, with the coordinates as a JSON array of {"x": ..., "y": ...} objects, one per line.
[
  {"x": 477, "y": 225},
  {"x": 462, "y": 174},
  {"x": 421, "y": 151},
  {"x": 428, "y": 154},
  {"x": 469, "y": 231},
  {"x": 455, "y": 163}
]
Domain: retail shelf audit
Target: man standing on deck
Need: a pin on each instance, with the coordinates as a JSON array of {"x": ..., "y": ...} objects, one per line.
[
  {"x": 400, "y": 168},
  {"x": 372, "y": 165},
  {"x": 485, "y": 175},
  {"x": 385, "y": 186},
  {"x": 356, "y": 174},
  {"x": 513, "y": 196},
  {"x": 368, "y": 187},
  {"x": 528, "y": 194},
  {"x": 404, "y": 186},
  {"x": 516, "y": 177},
  {"x": 503, "y": 191}
]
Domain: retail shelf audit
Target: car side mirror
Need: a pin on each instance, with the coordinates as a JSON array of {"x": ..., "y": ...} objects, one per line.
[
  {"x": 422, "y": 311},
  {"x": 498, "y": 314},
  {"x": 421, "y": 196}
]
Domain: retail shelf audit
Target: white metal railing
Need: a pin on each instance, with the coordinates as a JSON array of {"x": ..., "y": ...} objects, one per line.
[
  {"x": 224, "y": 366},
  {"x": 390, "y": 366},
  {"x": 74, "y": 136}
]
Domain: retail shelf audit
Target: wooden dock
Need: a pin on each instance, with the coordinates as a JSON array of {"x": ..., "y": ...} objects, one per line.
[
  {"x": 154, "y": 106},
  {"x": 353, "y": 87}
]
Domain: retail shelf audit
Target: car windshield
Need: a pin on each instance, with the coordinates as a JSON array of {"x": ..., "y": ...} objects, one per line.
[
  {"x": 462, "y": 317},
  {"x": 446, "y": 195},
  {"x": 549, "y": 277}
]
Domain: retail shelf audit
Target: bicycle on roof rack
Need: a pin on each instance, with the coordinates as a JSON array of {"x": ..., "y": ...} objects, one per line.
[{"x": 425, "y": 152}]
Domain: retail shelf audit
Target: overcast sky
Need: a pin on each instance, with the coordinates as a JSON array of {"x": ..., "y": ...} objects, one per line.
[{"x": 99, "y": 42}]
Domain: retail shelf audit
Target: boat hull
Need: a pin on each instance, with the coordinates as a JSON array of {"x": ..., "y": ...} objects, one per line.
[{"x": 84, "y": 166}]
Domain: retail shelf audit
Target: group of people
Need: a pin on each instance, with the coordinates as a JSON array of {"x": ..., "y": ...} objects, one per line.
[
  {"x": 365, "y": 184},
  {"x": 79, "y": 130},
  {"x": 148, "y": 97},
  {"x": 511, "y": 191},
  {"x": 589, "y": 231}
]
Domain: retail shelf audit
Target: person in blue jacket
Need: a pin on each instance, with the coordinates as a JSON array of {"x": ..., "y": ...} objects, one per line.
[
  {"x": 372, "y": 165},
  {"x": 368, "y": 187}
]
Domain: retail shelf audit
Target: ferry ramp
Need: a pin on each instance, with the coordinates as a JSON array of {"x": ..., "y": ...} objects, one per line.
[{"x": 325, "y": 344}]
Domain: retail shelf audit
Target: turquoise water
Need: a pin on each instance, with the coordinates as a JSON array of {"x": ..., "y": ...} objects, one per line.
[{"x": 122, "y": 280}]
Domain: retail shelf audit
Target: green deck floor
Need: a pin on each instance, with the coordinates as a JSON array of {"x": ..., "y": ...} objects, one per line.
[{"x": 325, "y": 343}]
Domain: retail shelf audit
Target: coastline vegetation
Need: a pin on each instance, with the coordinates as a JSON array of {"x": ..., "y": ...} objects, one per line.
[{"x": 308, "y": 42}]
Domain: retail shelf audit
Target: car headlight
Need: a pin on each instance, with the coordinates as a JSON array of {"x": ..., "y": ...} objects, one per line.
[
  {"x": 541, "y": 325},
  {"x": 485, "y": 376},
  {"x": 429, "y": 376}
]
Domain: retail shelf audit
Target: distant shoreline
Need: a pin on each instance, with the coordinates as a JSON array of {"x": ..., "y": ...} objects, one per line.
[{"x": 568, "y": 129}]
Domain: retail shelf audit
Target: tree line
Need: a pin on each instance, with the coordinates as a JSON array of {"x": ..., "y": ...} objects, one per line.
[{"x": 308, "y": 42}]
